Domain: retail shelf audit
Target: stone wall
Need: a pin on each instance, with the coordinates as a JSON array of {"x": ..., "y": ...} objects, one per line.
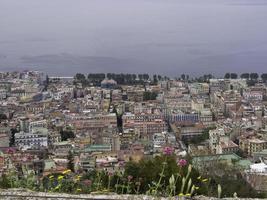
[{"x": 22, "y": 194}]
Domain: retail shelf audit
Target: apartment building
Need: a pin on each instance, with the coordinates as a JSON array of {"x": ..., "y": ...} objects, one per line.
[{"x": 31, "y": 140}]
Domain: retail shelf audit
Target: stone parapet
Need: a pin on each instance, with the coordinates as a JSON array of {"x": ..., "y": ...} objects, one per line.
[{"x": 23, "y": 194}]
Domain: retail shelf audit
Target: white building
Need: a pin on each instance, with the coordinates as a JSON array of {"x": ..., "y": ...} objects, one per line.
[
  {"x": 256, "y": 176},
  {"x": 214, "y": 136},
  {"x": 3, "y": 94},
  {"x": 159, "y": 139},
  {"x": 30, "y": 140},
  {"x": 220, "y": 143},
  {"x": 206, "y": 117},
  {"x": 253, "y": 95},
  {"x": 37, "y": 124}
]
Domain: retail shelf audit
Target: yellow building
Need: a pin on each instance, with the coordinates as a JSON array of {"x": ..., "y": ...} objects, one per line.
[{"x": 256, "y": 145}]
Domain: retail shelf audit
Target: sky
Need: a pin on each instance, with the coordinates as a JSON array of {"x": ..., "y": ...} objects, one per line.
[{"x": 169, "y": 37}]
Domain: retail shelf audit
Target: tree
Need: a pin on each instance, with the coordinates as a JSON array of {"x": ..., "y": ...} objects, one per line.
[
  {"x": 96, "y": 79},
  {"x": 66, "y": 134},
  {"x": 227, "y": 76},
  {"x": 134, "y": 77},
  {"x": 155, "y": 80},
  {"x": 5, "y": 181},
  {"x": 187, "y": 77},
  {"x": 80, "y": 76},
  {"x": 12, "y": 136},
  {"x": 205, "y": 77},
  {"x": 210, "y": 76},
  {"x": 264, "y": 77},
  {"x": 183, "y": 76},
  {"x": 200, "y": 138},
  {"x": 166, "y": 78},
  {"x": 233, "y": 76},
  {"x": 241, "y": 153},
  {"x": 149, "y": 95},
  {"x": 146, "y": 76},
  {"x": 148, "y": 170},
  {"x": 46, "y": 83},
  {"x": 229, "y": 177},
  {"x": 71, "y": 161},
  {"x": 244, "y": 76},
  {"x": 2, "y": 117},
  {"x": 254, "y": 76}
]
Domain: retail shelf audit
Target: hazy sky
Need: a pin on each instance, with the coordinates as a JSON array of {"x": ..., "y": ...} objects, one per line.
[{"x": 170, "y": 37}]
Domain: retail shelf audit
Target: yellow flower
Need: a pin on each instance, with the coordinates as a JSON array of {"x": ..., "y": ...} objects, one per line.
[
  {"x": 181, "y": 194},
  {"x": 66, "y": 171},
  {"x": 196, "y": 188},
  {"x": 204, "y": 180},
  {"x": 51, "y": 177},
  {"x": 57, "y": 187},
  {"x": 60, "y": 177},
  {"x": 78, "y": 178},
  {"x": 199, "y": 177},
  {"x": 79, "y": 190},
  {"x": 188, "y": 195}
]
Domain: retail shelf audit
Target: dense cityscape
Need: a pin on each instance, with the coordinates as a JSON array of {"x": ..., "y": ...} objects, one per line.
[{"x": 134, "y": 134}]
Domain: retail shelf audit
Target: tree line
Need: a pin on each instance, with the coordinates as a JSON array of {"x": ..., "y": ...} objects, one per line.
[
  {"x": 122, "y": 79},
  {"x": 248, "y": 76},
  {"x": 251, "y": 78},
  {"x": 132, "y": 79},
  {"x": 244, "y": 76},
  {"x": 200, "y": 79}
]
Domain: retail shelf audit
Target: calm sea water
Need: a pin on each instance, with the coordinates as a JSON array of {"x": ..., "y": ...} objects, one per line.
[{"x": 62, "y": 37}]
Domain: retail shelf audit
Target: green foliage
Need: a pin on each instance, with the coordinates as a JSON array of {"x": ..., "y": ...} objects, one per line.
[
  {"x": 71, "y": 161},
  {"x": 128, "y": 79},
  {"x": 96, "y": 79},
  {"x": 66, "y": 134},
  {"x": 200, "y": 138},
  {"x": 155, "y": 175},
  {"x": 119, "y": 118},
  {"x": 159, "y": 176},
  {"x": 236, "y": 184},
  {"x": 121, "y": 79},
  {"x": 244, "y": 76},
  {"x": 204, "y": 78},
  {"x": 13, "y": 180},
  {"x": 184, "y": 77},
  {"x": 230, "y": 76},
  {"x": 254, "y": 76},
  {"x": 227, "y": 76},
  {"x": 264, "y": 77},
  {"x": 12, "y": 136},
  {"x": 80, "y": 77},
  {"x": 241, "y": 153},
  {"x": 155, "y": 79},
  {"x": 149, "y": 95},
  {"x": 230, "y": 179},
  {"x": 2, "y": 117},
  {"x": 233, "y": 76},
  {"x": 5, "y": 182}
]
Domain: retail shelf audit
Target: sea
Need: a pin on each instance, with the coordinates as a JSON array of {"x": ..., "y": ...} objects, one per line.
[{"x": 168, "y": 37}]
